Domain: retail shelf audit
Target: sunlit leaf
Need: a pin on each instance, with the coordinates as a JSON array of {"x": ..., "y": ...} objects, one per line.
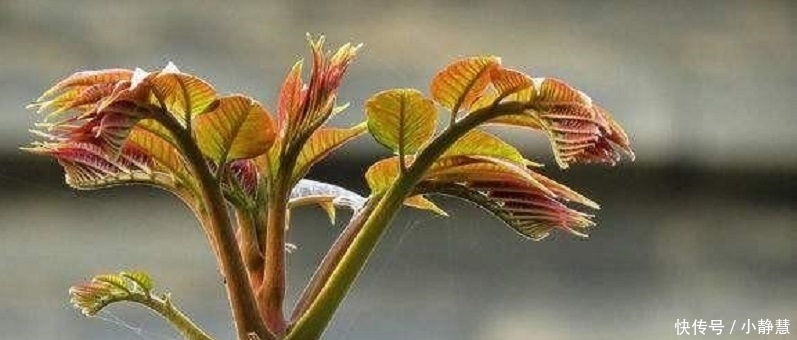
[
  {"x": 527, "y": 201},
  {"x": 422, "y": 203},
  {"x": 87, "y": 166},
  {"x": 164, "y": 153},
  {"x": 80, "y": 80},
  {"x": 382, "y": 174},
  {"x": 459, "y": 84},
  {"x": 480, "y": 143},
  {"x": 290, "y": 101},
  {"x": 320, "y": 144},
  {"x": 507, "y": 82},
  {"x": 183, "y": 94},
  {"x": 401, "y": 119},
  {"x": 302, "y": 109},
  {"x": 530, "y": 213},
  {"x": 236, "y": 127}
]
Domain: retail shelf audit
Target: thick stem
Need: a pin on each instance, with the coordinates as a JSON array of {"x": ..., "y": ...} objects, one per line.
[
  {"x": 272, "y": 294},
  {"x": 248, "y": 224},
  {"x": 242, "y": 300},
  {"x": 331, "y": 260},
  {"x": 312, "y": 324}
]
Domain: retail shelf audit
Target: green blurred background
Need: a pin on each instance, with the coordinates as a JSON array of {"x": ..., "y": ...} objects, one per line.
[{"x": 702, "y": 226}]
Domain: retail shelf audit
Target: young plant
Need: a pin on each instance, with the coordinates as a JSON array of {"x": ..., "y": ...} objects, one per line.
[{"x": 225, "y": 155}]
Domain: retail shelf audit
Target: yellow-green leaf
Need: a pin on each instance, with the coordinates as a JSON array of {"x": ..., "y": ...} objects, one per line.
[
  {"x": 458, "y": 85},
  {"x": 382, "y": 174},
  {"x": 480, "y": 143},
  {"x": 422, "y": 203},
  {"x": 236, "y": 127},
  {"x": 163, "y": 152},
  {"x": 402, "y": 120},
  {"x": 183, "y": 94},
  {"x": 320, "y": 144}
]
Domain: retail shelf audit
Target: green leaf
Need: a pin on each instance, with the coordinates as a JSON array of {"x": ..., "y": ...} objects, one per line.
[
  {"x": 402, "y": 120},
  {"x": 236, "y": 127},
  {"x": 141, "y": 279},
  {"x": 104, "y": 290}
]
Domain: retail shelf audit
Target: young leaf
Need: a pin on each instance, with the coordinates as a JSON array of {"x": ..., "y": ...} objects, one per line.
[
  {"x": 184, "y": 95},
  {"x": 167, "y": 158},
  {"x": 480, "y": 143},
  {"x": 103, "y": 290},
  {"x": 320, "y": 144},
  {"x": 135, "y": 287},
  {"x": 83, "y": 79},
  {"x": 507, "y": 82},
  {"x": 459, "y": 84},
  {"x": 530, "y": 214},
  {"x": 401, "y": 119},
  {"x": 423, "y": 203},
  {"x": 382, "y": 174},
  {"x": 527, "y": 201},
  {"x": 303, "y": 109},
  {"x": 87, "y": 166},
  {"x": 236, "y": 127}
]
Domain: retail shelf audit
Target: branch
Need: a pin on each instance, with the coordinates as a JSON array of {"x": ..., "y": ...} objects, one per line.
[
  {"x": 134, "y": 287},
  {"x": 331, "y": 260},
  {"x": 222, "y": 237},
  {"x": 312, "y": 324}
]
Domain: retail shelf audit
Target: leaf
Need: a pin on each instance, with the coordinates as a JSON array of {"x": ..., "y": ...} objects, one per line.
[
  {"x": 422, "y": 203},
  {"x": 480, "y": 143},
  {"x": 104, "y": 290},
  {"x": 552, "y": 91},
  {"x": 401, "y": 119},
  {"x": 302, "y": 109},
  {"x": 328, "y": 196},
  {"x": 382, "y": 174},
  {"x": 290, "y": 99},
  {"x": 80, "y": 80},
  {"x": 322, "y": 143},
  {"x": 527, "y": 201},
  {"x": 507, "y": 82},
  {"x": 184, "y": 95},
  {"x": 166, "y": 156},
  {"x": 579, "y": 131},
  {"x": 475, "y": 168},
  {"x": 531, "y": 215},
  {"x": 459, "y": 84},
  {"x": 87, "y": 166},
  {"x": 141, "y": 279},
  {"x": 236, "y": 127}
]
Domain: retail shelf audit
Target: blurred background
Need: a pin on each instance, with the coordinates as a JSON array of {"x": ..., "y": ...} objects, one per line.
[{"x": 701, "y": 226}]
